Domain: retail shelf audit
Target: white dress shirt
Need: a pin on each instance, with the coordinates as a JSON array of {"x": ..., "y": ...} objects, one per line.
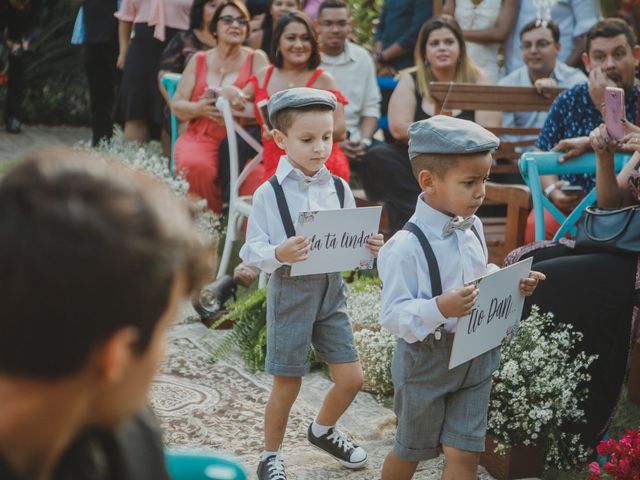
[
  {"x": 355, "y": 74},
  {"x": 409, "y": 310},
  {"x": 265, "y": 230}
]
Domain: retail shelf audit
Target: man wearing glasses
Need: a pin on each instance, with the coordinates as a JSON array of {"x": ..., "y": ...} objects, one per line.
[
  {"x": 542, "y": 69},
  {"x": 354, "y": 71}
]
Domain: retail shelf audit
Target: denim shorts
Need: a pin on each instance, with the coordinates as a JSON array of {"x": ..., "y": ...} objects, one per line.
[
  {"x": 436, "y": 406},
  {"x": 303, "y": 311}
]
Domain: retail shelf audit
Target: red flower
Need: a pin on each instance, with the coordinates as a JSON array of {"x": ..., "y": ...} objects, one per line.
[{"x": 624, "y": 458}]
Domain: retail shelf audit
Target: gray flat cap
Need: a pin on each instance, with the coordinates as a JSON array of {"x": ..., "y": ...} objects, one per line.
[
  {"x": 444, "y": 134},
  {"x": 299, "y": 97}
]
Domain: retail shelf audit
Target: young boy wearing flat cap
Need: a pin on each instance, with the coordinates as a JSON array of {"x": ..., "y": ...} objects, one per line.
[
  {"x": 424, "y": 268},
  {"x": 308, "y": 309}
]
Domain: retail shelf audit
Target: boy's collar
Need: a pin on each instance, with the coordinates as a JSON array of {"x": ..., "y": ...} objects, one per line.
[
  {"x": 285, "y": 168},
  {"x": 430, "y": 218}
]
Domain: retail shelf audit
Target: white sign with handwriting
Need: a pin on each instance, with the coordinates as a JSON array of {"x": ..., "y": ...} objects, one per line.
[
  {"x": 338, "y": 239},
  {"x": 495, "y": 315}
]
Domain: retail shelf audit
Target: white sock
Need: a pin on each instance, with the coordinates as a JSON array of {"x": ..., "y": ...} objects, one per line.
[
  {"x": 319, "y": 430},
  {"x": 267, "y": 454}
]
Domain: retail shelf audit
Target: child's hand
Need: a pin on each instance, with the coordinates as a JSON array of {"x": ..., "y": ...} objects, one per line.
[
  {"x": 457, "y": 302},
  {"x": 294, "y": 249},
  {"x": 529, "y": 284},
  {"x": 375, "y": 243}
]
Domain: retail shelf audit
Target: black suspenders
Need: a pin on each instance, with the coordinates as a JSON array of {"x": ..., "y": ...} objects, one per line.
[
  {"x": 283, "y": 208},
  {"x": 434, "y": 270}
]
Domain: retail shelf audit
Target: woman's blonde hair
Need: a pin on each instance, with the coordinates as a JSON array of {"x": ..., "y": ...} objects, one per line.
[{"x": 466, "y": 71}]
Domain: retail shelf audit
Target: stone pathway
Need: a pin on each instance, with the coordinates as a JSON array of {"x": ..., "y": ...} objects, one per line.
[
  {"x": 220, "y": 406},
  {"x": 14, "y": 146}
]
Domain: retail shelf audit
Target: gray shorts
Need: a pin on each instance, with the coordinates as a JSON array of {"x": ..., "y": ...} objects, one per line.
[
  {"x": 436, "y": 406},
  {"x": 304, "y": 311}
]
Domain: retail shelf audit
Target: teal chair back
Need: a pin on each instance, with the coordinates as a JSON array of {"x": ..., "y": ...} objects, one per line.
[
  {"x": 170, "y": 83},
  {"x": 202, "y": 466},
  {"x": 534, "y": 164},
  {"x": 385, "y": 84}
]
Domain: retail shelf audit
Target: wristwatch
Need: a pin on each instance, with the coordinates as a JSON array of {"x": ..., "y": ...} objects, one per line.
[{"x": 366, "y": 142}]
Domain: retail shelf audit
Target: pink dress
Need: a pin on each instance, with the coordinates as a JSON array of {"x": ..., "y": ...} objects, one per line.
[
  {"x": 197, "y": 148},
  {"x": 157, "y": 13}
]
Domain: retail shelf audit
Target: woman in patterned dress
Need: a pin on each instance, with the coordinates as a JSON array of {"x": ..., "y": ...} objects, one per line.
[{"x": 597, "y": 293}]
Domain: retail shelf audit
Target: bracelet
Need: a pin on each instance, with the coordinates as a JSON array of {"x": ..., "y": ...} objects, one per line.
[
  {"x": 378, "y": 57},
  {"x": 549, "y": 189},
  {"x": 366, "y": 142}
]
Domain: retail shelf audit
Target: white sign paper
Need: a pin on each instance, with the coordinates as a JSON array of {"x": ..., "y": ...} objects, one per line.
[
  {"x": 338, "y": 239},
  {"x": 497, "y": 311}
]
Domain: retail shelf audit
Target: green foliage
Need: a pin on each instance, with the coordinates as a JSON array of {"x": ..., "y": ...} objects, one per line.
[
  {"x": 55, "y": 84},
  {"x": 364, "y": 13},
  {"x": 249, "y": 332}
]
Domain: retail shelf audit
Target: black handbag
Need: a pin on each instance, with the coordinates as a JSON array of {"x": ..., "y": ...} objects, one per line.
[{"x": 614, "y": 230}]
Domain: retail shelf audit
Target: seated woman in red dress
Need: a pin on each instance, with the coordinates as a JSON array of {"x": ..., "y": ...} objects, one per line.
[
  {"x": 196, "y": 150},
  {"x": 297, "y": 57}
]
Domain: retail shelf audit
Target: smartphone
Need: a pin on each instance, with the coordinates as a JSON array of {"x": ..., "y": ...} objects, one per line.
[
  {"x": 211, "y": 93},
  {"x": 573, "y": 190},
  {"x": 264, "y": 113},
  {"x": 614, "y": 103}
]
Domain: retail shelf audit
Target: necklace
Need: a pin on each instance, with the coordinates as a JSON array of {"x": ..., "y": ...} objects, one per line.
[
  {"x": 226, "y": 65},
  {"x": 296, "y": 79}
]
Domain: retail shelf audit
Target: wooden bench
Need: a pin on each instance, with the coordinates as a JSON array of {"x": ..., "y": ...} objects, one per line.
[{"x": 503, "y": 234}]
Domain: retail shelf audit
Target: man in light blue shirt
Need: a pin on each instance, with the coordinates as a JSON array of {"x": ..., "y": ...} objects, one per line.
[
  {"x": 573, "y": 17},
  {"x": 540, "y": 47}
]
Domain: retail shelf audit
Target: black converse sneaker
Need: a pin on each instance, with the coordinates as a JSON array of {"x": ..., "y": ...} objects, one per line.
[
  {"x": 271, "y": 469},
  {"x": 336, "y": 444}
]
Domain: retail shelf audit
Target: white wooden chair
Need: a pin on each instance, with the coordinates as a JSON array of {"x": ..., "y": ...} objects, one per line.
[{"x": 239, "y": 205}]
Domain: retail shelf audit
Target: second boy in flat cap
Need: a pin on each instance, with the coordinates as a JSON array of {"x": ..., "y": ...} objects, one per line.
[
  {"x": 308, "y": 309},
  {"x": 424, "y": 268}
]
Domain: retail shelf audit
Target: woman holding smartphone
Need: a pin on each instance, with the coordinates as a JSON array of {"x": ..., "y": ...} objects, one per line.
[
  {"x": 230, "y": 63},
  {"x": 596, "y": 292}
]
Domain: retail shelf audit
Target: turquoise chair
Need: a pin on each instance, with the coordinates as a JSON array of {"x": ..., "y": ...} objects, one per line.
[
  {"x": 170, "y": 83},
  {"x": 202, "y": 466},
  {"x": 534, "y": 164},
  {"x": 385, "y": 84}
]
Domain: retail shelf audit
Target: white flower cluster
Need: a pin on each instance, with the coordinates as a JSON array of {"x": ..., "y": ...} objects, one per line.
[
  {"x": 374, "y": 345},
  {"x": 538, "y": 389},
  {"x": 149, "y": 159}
]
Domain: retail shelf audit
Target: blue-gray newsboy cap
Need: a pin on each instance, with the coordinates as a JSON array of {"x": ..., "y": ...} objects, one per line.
[
  {"x": 444, "y": 134},
  {"x": 299, "y": 97}
]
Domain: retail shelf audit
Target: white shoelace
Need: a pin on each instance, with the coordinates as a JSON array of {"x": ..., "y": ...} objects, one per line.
[
  {"x": 276, "y": 468},
  {"x": 340, "y": 439}
]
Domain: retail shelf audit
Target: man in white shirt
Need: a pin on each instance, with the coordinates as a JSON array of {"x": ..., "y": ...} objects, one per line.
[
  {"x": 354, "y": 71},
  {"x": 540, "y": 46}
]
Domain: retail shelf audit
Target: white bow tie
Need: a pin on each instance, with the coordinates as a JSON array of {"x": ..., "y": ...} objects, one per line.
[
  {"x": 457, "y": 223},
  {"x": 321, "y": 177}
]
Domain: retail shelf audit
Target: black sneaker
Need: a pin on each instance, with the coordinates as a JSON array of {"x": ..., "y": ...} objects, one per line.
[
  {"x": 336, "y": 444},
  {"x": 271, "y": 469}
]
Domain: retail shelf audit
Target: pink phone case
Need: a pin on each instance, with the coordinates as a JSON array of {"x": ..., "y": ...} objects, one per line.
[{"x": 614, "y": 103}]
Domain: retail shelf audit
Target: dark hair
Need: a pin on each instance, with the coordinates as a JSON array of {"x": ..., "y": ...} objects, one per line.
[
  {"x": 609, "y": 28},
  {"x": 87, "y": 247},
  {"x": 197, "y": 14},
  {"x": 314, "y": 59},
  {"x": 438, "y": 164},
  {"x": 466, "y": 71},
  {"x": 285, "y": 117},
  {"x": 332, "y": 4},
  {"x": 213, "y": 28},
  {"x": 549, "y": 25},
  {"x": 267, "y": 29}
]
